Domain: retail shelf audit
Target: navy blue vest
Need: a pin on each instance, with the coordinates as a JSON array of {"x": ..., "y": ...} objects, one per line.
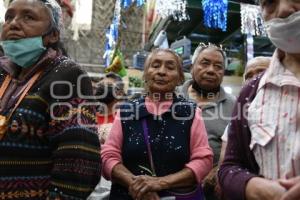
[{"x": 169, "y": 136}]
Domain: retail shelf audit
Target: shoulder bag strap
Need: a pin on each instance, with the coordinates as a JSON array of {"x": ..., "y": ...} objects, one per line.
[{"x": 146, "y": 138}]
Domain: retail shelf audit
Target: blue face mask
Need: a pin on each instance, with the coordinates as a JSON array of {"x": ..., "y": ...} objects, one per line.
[{"x": 24, "y": 52}]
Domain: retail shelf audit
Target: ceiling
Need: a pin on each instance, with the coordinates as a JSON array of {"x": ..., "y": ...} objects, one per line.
[{"x": 232, "y": 40}]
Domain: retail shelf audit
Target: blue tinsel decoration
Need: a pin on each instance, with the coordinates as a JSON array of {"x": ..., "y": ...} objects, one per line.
[
  {"x": 111, "y": 38},
  {"x": 126, "y": 3},
  {"x": 215, "y": 13},
  {"x": 140, "y": 2}
]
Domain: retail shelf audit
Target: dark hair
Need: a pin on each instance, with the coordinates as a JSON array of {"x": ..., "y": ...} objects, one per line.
[
  {"x": 1, "y": 51},
  {"x": 59, "y": 46},
  {"x": 115, "y": 77},
  {"x": 112, "y": 75}
]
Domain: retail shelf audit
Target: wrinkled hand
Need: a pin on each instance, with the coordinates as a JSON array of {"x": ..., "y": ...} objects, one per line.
[
  {"x": 263, "y": 189},
  {"x": 210, "y": 182},
  {"x": 142, "y": 185},
  {"x": 293, "y": 188},
  {"x": 56, "y": 198},
  {"x": 151, "y": 196}
]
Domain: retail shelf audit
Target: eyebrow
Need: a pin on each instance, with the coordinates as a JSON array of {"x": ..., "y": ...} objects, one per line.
[
  {"x": 160, "y": 60},
  {"x": 27, "y": 10},
  {"x": 24, "y": 10},
  {"x": 206, "y": 59}
]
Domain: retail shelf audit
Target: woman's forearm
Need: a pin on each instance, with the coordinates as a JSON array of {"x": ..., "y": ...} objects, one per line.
[
  {"x": 122, "y": 175},
  {"x": 183, "y": 178}
]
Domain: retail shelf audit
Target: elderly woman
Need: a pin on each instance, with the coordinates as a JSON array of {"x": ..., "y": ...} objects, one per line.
[
  {"x": 262, "y": 159},
  {"x": 256, "y": 66},
  {"x": 158, "y": 144},
  {"x": 47, "y": 151}
]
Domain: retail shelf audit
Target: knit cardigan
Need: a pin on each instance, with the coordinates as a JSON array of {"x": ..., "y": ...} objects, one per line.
[
  {"x": 50, "y": 148},
  {"x": 239, "y": 164}
]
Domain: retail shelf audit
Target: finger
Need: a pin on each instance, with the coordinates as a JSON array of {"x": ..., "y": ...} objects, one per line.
[
  {"x": 134, "y": 193},
  {"x": 148, "y": 196},
  {"x": 132, "y": 189},
  {"x": 142, "y": 192},
  {"x": 134, "y": 177},
  {"x": 292, "y": 194},
  {"x": 156, "y": 197},
  {"x": 151, "y": 196},
  {"x": 288, "y": 183},
  {"x": 136, "y": 187}
]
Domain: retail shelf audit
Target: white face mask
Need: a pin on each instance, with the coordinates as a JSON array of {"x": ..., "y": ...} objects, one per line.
[{"x": 285, "y": 33}]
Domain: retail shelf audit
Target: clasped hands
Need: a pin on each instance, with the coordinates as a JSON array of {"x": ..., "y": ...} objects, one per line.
[
  {"x": 145, "y": 187},
  {"x": 264, "y": 189}
]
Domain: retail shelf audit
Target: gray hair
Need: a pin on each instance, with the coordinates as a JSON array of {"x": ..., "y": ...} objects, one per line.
[
  {"x": 201, "y": 48},
  {"x": 55, "y": 13}
]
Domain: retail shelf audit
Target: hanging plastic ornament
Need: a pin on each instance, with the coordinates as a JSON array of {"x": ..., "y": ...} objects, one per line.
[
  {"x": 127, "y": 3},
  {"x": 140, "y": 2},
  {"x": 251, "y": 20},
  {"x": 215, "y": 13},
  {"x": 112, "y": 34},
  {"x": 175, "y": 8},
  {"x": 250, "y": 47},
  {"x": 2, "y": 11}
]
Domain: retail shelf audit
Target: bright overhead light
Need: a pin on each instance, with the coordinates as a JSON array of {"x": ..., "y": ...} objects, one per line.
[{"x": 228, "y": 90}]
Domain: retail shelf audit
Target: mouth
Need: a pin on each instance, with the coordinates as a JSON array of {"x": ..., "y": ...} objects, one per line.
[
  {"x": 209, "y": 79},
  {"x": 160, "y": 82},
  {"x": 13, "y": 37}
]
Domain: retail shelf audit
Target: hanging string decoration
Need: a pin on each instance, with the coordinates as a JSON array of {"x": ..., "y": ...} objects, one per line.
[
  {"x": 250, "y": 47},
  {"x": 127, "y": 3},
  {"x": 112, "y": 34},
  {"x": 215, "y": 13},
  {"x": 111, "y": 39},
  {"x": 140, "y": 2},
  {"x": 251, "y": 19},
  {"x": 174, "y": 8},
  {"x": 2, "y": 11}
]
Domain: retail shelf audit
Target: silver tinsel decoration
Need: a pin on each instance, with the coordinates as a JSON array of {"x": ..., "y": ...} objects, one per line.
[
  {"x": 251, "y": 19},
  {"x": 175, "y": 8}
]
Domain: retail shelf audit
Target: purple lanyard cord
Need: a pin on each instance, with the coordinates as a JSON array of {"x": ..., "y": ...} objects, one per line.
[{"x": 146, "y": 138}]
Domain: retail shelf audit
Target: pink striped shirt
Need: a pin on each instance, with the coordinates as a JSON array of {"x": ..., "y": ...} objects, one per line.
[
  {"x": 201, "y": 154},
  {"x": 273, "y": 119}
]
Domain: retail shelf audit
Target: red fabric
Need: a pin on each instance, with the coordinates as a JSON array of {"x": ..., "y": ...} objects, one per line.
[
  {"x": 101, "y": 119},
  {"x": 68, "y": 5}
]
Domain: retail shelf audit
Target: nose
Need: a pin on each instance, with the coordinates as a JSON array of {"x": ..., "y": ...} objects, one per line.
[
  {"x": 210, "y": 69},
  {"x": 14, "y": 23},
  {"x": 162, "y": 70},
  {"x": 285, "y": 8}
]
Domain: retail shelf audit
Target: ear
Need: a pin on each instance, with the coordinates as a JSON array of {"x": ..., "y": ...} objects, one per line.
[{"x": 51, "y": 38}]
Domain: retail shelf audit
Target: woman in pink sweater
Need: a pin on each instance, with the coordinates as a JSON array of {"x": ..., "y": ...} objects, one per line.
[{"x": 158, "y": 144}]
